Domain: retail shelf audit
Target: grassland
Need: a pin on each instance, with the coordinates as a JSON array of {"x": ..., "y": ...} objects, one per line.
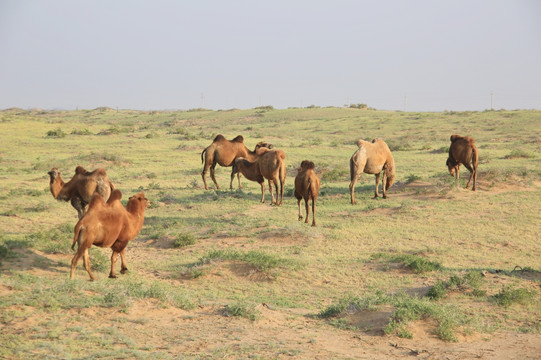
[{"x": 215, "y": 274}]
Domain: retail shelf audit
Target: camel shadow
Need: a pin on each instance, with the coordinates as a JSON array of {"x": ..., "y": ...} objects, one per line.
[{"x": 21, "y": 258}]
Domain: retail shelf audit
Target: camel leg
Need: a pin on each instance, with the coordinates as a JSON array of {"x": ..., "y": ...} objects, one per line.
[
  {"x": 213, "y": 177},
  {"x": 376, "y": 194},
  {"x": 233, "y": 172},
  {"x": 299, "y": 205},
  {"x": 352, "y": 190},
  {"x": 262, "y": 191},
  {"x": 270, "y": 190},
  {"x": 281, "y": 191},
  {"x": 113, "y": 262},
  {"x": 384, "y": 184},
  {"x": 124, "y": 265},
  {"x": 204, "y": 176},
  {"x": 86, "y": 262},
  {"x": 238, "y": 177},
  {"x": 275, "y": 181},
  {"x": 313, "y": 211},
  {"x": 307, "y": 207},
  {"x": 471, "y": 170},
  {"x": 77, "y": 203},
  {"x": 74, "y": 262}
]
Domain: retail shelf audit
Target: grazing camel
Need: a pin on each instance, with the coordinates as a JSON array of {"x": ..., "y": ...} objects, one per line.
[
  {"x": 307, "y": 187},
  {"x": 372, "y": 158},
  {"x": 108, "y": 225},
  {"x": 271, "y": 166},
  {"x": 224, "y": 152},
  {"x": 463, "y": 151},
  {"x": 81, "y": 187}
]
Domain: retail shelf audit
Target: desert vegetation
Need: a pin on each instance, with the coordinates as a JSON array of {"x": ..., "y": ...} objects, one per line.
[{"x": 216, "y": 274}]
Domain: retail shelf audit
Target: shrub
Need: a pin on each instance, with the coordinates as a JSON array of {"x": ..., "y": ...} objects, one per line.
[
  {"x": 58, "y": 133},
  {"x": 183, "y": 240},
  {"x": 242, "y": 309},
  {"x": 508, "y": 296}
]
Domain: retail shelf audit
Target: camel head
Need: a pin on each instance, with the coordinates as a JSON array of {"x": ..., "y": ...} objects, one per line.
[
  {"x": 263, "y": 144},
  {"x": 54, "y": 174},
  {"x": 307, "y": 164},
  {"x": 137, "y": 202},
  {"x": 451, "y": 165}
]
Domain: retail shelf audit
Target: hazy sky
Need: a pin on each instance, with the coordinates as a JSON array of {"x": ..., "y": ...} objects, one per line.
[{"x": 431, "y": 55}]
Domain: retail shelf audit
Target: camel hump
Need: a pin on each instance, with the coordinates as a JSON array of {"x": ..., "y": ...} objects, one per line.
[
  {"x": 96, "y": 200},
  {"x": 455, "y": 137},
  {"x": 80, "y": 170},
  {"x": 281, "y": 154},
  {"x": 100, "y": 171},
  {"x": 219, "y": 137},
  {"x": 307, "y": 164},
  {"x": 238, "y": 138},
  {"x": 115, "y": 195}
]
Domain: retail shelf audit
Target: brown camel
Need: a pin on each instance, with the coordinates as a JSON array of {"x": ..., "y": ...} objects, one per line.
[
  {"x": 372, "y": 158},
  {"x": 271, "y": 166},
  {"x": 307, "y": 188},
  {"x": 463, "y": 151},
  {"x": 81, "y": 187},
  {"x": 108, "y": 225},
  {"x": 224, "y": 152}
]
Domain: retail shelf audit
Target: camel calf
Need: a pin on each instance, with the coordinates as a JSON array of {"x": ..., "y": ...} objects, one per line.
[
  {"x": 108, "y": 225},
  {"x": 271, "y": 166},
  {"x": 463, "y": 151},
  {"x": 307, "y": 188}
]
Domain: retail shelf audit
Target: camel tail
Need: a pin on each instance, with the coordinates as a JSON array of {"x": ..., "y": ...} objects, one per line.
[
  {"x": 203, "y": 153},
  {"x": 475, "y": 157},
  {"x": 390, "y": 172},
  {"x": 77, "y": 238}
]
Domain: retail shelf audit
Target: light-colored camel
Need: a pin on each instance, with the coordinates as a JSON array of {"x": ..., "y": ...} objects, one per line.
[
  {"x": 271, "y": 166},
  {"x": 463, "y": 151},
  {"x": 81, "y": 187},
  {"x": 108, "y": 225},
  {"x": 307, "y": 188},
  {"x": 372, "y": 158},
  {"x": 224, "y": 152}
]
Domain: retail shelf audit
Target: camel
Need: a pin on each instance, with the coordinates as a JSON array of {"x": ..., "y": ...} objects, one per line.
[
  {"x": 224, "y": 152},
  {"x": 372, "y": 158},
  {"x": 269, "y": 165},
  {"x": 463, "y": 151},
  {"x": 307, "y": 187},
  {"x": 81, "y": 187},
  {"x": 108, "y": 225}
]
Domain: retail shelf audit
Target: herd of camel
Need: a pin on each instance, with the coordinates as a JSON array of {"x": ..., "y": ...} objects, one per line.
[{"x": 105, "y": 222}]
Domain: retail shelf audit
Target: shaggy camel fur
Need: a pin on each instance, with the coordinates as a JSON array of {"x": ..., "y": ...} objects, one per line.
[
  {"x": 270, "y": 165},
  {"x": 372, "y": 158},
  {"x": 307, "y": 188},
  {"x": 108, "y": 225},
  {"x": 463, "y": 151},
  {"x": 224, "y": 152},
  {"x": 81, "y": 187}
]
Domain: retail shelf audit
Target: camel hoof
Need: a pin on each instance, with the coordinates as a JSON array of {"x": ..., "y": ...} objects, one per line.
[
  {"x": 313, "y": 224},
  {"x": 300, "y": 218},
  {"x": 385, "y": 196},
  {"x": 123, "y": 271},
  {"x": 112, "y": 276}
]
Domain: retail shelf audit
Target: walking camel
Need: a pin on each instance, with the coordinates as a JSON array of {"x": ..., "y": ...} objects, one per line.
[
  {"x": 224, "y": 152},
  {"x": 372, "y": 158}
]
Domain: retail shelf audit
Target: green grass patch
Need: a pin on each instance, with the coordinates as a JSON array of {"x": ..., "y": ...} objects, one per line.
[
  {"x": 509, "y": 296},
  {"x": 412, "y": 262}
]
